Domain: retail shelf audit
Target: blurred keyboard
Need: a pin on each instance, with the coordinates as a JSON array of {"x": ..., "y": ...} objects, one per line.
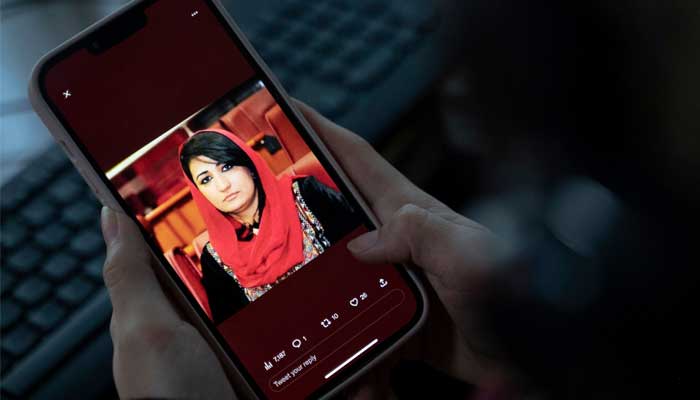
[
  {"x": 342, "y": 57},
  {"x": 329, "y": 53},
  {"x": 52, "y": 256}
]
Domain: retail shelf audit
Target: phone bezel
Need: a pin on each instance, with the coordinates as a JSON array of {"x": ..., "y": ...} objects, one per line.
[{"x": 107, "y": 194}]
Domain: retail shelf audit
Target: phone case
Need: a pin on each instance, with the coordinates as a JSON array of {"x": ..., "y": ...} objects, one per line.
[{"x": 102, "y": 192}]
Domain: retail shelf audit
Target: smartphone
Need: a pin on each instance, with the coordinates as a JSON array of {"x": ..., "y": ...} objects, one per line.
[{"x": 172, "y": 117}]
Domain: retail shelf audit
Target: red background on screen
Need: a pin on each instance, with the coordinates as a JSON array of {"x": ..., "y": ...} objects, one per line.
[{"x": 165, "y": 74}]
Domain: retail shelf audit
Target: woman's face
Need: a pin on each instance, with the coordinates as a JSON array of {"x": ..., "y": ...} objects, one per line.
[{"x": 229, "y": 188}]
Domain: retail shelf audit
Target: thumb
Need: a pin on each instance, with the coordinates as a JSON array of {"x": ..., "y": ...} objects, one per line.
[
  {"x": 133, "y": 288},
  {"x": 440, "y": 246}
]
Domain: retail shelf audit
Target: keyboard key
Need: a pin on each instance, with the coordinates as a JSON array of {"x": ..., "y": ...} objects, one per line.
[
  {"x": 371, "y": 69},
  {"x": 269, "y": 32},
  {"x": 54, "y": 159},
  {"x": 80, "y": 213},
  {"x": 38, "y": 213},
  {"x": 354, "y": 52},
  {"x": 417, "y": 15},
  {"x": 373, "y": 7},
  {"x": 11, "y": 313},
  {"x": 25, "y": 260},
  {"x": 13, "y": 195},
  {"x": 323, "y": 47},
  {"x": 275, "y": 53},
  {"x": 377, "y": 34},
  {"x": 337, "y": 5},
  {"x": 67, "y": 188},
  {"x": 328, "y": 99},
  {"x": 347, "y": 27},
  {"x": 38, "y": 177},
  {"x": 32, "y": 290},
  {"x": 403, "y": 40},
  {"x": 87, "y": 243},
  {"x": 331, "y": 71},
  {"x": 13, "y": 233},
  {"x": 60, "y": 266},
  {"x": 75, "y": 291},
  {"x": 16, "y": 192},
  {"x": 53, "y": 237},
  {"x": 320, "y": 19},
  {"x": 293, "y": 11},
  {"x": 19, "y": 340},
  {"x": 93, "y": 269},
  {"x": 50, "y": 162},
  {"x": 303, "y": 61},
  {"x": 299, "y": 37},
  {"x": 47, "y": 316}
]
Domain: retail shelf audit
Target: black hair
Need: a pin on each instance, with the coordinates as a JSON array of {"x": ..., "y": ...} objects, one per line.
[
  {"x": 223, "y": 150},
  {"x": 217, "y": 147}
]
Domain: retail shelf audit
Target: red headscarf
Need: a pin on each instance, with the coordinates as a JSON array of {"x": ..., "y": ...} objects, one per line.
[{"x": 278, "y": 245}]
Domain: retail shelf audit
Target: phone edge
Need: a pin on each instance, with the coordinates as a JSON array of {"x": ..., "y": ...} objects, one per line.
[{"x": 65, "y": 141}]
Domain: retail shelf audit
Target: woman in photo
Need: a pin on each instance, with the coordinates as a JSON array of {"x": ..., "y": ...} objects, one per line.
[{"x": 261, "y": 228}]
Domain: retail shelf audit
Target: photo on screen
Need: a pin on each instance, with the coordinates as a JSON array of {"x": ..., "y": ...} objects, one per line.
[{"x": 235, "y": 199}]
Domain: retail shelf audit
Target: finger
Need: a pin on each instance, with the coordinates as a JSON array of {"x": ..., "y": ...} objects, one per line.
[
  {"x": 384, "y": 187},
  {"x": 133, "y": 288},
  {"x": 443, "y": 248}
]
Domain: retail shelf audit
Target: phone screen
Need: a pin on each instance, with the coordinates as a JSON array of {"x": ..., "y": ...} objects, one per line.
[{"x": 193, "y": 138}]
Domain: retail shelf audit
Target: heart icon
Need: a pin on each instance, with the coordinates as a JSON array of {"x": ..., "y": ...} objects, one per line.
[{"x": 354, "y": 302}]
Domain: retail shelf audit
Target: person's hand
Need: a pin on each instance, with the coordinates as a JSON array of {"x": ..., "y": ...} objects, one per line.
[
  {"x": 454, "y": 252},
  {"x": 156, "y": 353}
]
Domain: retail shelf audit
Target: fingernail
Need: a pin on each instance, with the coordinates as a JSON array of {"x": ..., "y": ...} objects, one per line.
[
  {"x": 363, "y": 243},
  {"x": 109, "y": 224}
]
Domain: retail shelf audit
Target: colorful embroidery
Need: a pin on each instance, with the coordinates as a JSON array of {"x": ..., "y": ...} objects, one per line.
[
  {"x": 305, "y": 215},
  {"x": 314, "y": 242}
]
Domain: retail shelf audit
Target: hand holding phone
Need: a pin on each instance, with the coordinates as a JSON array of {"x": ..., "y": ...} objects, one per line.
[
  {"x": 157, "y": 354},
  {"x": 186, "y": 364},
  {"x": 175, "y": 122},
  {"x": 455, "y": 253}
]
